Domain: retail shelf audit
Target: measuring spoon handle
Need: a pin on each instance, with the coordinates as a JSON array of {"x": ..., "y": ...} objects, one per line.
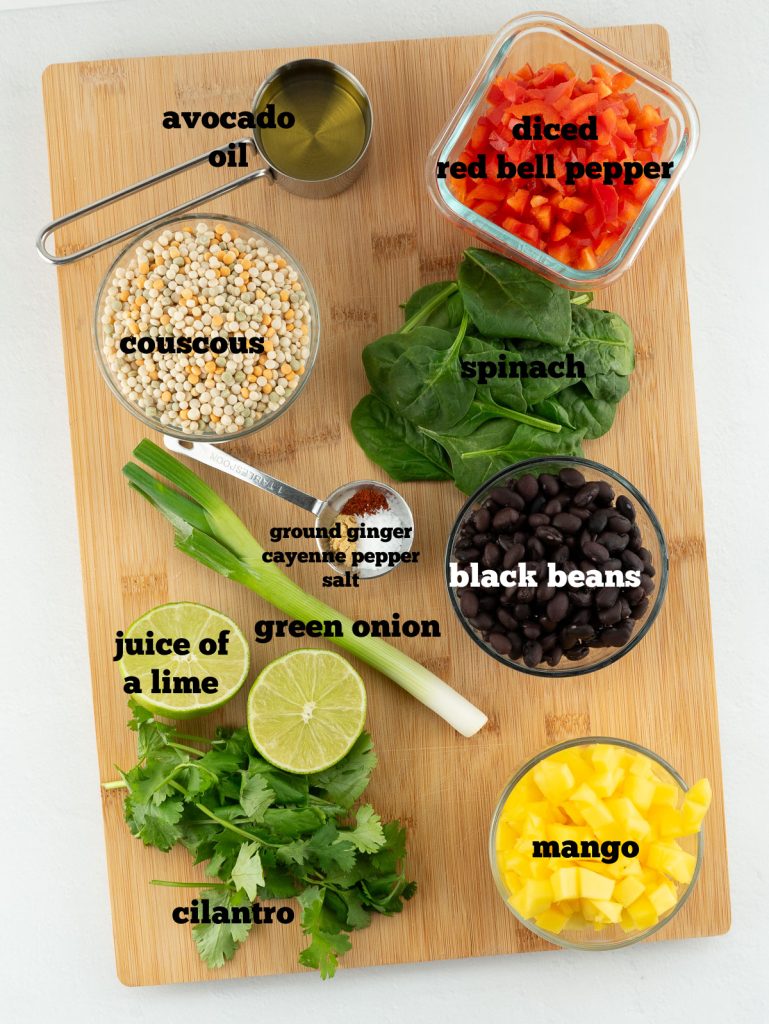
[{"x": 211, "y": 455}]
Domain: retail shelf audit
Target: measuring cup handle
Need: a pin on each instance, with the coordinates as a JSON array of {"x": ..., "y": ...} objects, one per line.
[
  {"x": 139, "y": 186},
  {"x": 211, "y": 455}
]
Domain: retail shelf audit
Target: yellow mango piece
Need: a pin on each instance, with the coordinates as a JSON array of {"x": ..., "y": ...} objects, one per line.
[
  {"x": 640, "y": 790},
  {"x": 594, "y": 886},
  {"x": 624, "y": 867},
  {"x": 584, "y": 794},
  {"x": 597, "y": 814},
  {"x": 663, "y": 898},
  {"x": 700, "y": 793},
  {"x": 641, "y": 765},
  {"x": 667, "y": 821},
  {"x": 642, "y": 913},
  {"x": 505, "y": 836},
  {"x": 568, "y": 833},
  {"x": 588, "y": 910},
  {"x": 555, "y": 780},
  {"x": 625, "y": 812},
  {"x": 573, "y": 812},
  {"x": 673, "y": 861},
  {"x": 567, "y": 907},
  {"x": 606, "y": 758},
  {"x": 607, "y": 782},
  {"x": 513, "y": 881},
  {"x": 565, "y": 884},
  {"x": 628, "y": 890},
  {"x": 626, "y": 923},
  {"x": 608, "y": 911},
  {"x": 552, "y": 920},
  {"x": 666, "y": 794},
  {"x": 534, "y": 897}
]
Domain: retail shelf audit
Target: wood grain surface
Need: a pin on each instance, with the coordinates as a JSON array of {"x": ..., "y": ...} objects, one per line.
[{"x": 365, "y": 251}]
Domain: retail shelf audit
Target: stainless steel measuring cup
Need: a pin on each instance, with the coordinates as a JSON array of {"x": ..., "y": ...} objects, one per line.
[
  {"x": 325, "y": 510},
  {"x": 307, "y": 186}
]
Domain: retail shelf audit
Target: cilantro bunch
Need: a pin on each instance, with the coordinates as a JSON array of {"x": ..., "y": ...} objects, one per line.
[{"x": 267, "y": 834}]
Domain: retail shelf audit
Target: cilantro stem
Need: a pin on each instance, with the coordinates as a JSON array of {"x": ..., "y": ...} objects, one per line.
[
  {"x": 188, "y": 750},
  {"x": 222, "y": 821},
  {"x": 116, "y": 784},
  {"x": 191, "y": 885}
]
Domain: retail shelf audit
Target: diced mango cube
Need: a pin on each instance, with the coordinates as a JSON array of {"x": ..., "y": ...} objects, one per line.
[
  {"x": 628, "y": 890},
  {"x": 673, "y": 861},
  {"x": 700, "y": 793},
  {"x": 666, "y": 793},
  {"x": 608, "y": 911},
  {"x": 607, "y": 782},
  {"x": 584, "y": 794},
  {"x": 640, "y": 790},
  {"x": 642, "y": 913},
  {"x": 663, "y": 898},
  {"x": 565, "y": 884},
  {"x": 606, "y": 757},
  {"x": 597, "y": 814},
  {"x": 625, "y": 812},
  {"x": 552, "y": 920},
  {"x": 594, "y": 886},
  {"x": 534, "y": 897},
  {"x": 554, "y": 780}
]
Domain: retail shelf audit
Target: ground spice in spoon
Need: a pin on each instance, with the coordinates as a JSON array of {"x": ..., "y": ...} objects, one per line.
[{"x": 365, "y": 502}]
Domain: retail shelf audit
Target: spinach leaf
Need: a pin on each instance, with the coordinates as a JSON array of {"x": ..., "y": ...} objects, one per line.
[
  {"x": 381, "y": 355},
  {"x": 396, "y": 445},
  {"x": 602, "y": 340},
  {"x": 447, "y": 315},
  {"x": 424, "y": 385},
  {"x": 576, "y": 409},
  {"x": 505, "y": 390},
  {"x": 506, "y": 300},
  {"x": 609, "y": 387}
]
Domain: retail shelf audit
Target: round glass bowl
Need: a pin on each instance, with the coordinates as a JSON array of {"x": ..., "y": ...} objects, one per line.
[
  {"x": 653, "y": 541},
  {"x": 609, "y": 936},
  {"x": 238, "y": 229}
]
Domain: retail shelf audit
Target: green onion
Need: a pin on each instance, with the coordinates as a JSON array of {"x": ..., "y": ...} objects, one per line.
[{"x": 208, "y": 530}]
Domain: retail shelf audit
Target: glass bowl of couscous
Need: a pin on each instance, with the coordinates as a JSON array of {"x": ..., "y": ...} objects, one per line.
[{"x": 207, "y": 328}]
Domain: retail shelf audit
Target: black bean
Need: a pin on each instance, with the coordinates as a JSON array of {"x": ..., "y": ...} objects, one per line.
[
  {"x": 505, "y": 519},
  {"x": 468, "y": 554},
  {"x": 566, "y": 522},
  {"x": 538, "y": 504},
  {"x": 508, "y": 595},
  {"x": 532, "y": 653},
  {"x": 605, "y": 492},
  {"x": 510, "y": 558},
  {"x": 504, "y": 618},
  {"x": 522, "y": 612},
  {"x": 645, "y": 555},
  {"x": 492, "y": 555},
  {"x": 531, "y": 631},
  {"x": 554, "y": 657},
  {"x": 501, "y": 643},
  {"x": 538, "y": 519},
  {"x": 561, "y": 554},
  {"x": 502, "y": 495},
  {"x": 488, "y": 601},
  {"x": 610, "y": 616},
  {"x": 647, "y": 583},
  {"x": 517, "y": 644},
  {"x": 571, "y": 478},
  {"x": 606, "y": 597},
  {"x": 586, "y": 495},
  {"x": 548, "y": 485},
  {"x": 598, "y": 520},
  {"x": 548, "y": 642},
  {"x": 635, "y": 538},
  {"x": 520, "y": 537},
  {"x": 613, "y": 541},
  {"x": 639, "y": 610},
  {"x": 557, "y": 607},
  {"x": 553, "y": 507},
  {"x": 625, "y": 507},
  {"x": 635, "y": 595},
  {"x": 536, "y": 548},
  {"x": 549, "y": 534},
  {"x": 577, "y": 653},
  {"x": 583, "y": 617},
  {"x": 619, "y": 524},
  {"x": 544, "y": 593},
  {"x": 614, "y": 637},
  {"x": 581, "y": 598},
  {"x": 583, "y": 514},
  {"x": 482, "y": 519},
  {"x": 594, "y": 551},
  {"x": 482, "y": 621},
  {"x": 631, "y": 560},
  {"x": 469, "y": 604},
  {"x": 527, "y": 486},
  {"x": 612, "y": 563}
]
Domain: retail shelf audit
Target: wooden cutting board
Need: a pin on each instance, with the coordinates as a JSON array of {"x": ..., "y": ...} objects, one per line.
[{"x": 366, "y": 251}]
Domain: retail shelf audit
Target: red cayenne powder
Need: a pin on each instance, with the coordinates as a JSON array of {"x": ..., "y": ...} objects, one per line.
[{"x": 365, "y": 502}]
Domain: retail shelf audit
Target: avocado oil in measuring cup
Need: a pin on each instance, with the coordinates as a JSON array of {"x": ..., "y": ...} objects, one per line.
[{"x": 332, "y": 121}]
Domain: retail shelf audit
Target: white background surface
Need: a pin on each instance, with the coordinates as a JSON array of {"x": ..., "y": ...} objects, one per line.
[{"x": 57, "y": 959}]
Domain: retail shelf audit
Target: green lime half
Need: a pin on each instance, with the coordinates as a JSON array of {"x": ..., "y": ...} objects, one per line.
[
  {"x": 175, "y": 685},
  {"x": 306, "y": 710}
]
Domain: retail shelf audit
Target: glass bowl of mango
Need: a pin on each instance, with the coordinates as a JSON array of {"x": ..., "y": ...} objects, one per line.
[{"x": 597, "y": 843}]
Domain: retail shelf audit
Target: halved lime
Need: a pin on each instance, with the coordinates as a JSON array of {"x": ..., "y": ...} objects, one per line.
[
  {"x": 174, "y": 685},
  {"x": 306, "y": 710}
]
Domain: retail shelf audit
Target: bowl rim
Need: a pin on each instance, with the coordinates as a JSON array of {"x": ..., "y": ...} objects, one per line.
[
  {"x": 258, "y": 232},
  {"x": 517, "y": 776},
  {"x": 517, "y": 248},
  {"x": 662, "y": 583}
]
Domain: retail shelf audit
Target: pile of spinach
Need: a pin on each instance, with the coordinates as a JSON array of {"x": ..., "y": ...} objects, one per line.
[{"x": 424, "y": 421}]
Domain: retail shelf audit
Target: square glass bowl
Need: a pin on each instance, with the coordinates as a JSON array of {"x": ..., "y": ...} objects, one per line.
[{"x": 541, "y": 38}]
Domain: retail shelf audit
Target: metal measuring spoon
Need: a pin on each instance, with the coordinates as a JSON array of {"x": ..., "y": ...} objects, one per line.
[{"x": 325, "y": 510}]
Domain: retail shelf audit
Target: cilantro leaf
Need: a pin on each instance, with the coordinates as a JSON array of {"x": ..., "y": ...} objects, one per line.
[
  {"x": 326, "y": 945},
  {"x": 255, "y": 796},
  {"x": 155, "y": 824},
  {"x": 294, "y": 852},
  {"x": 290, "y": 822},
  {"x": 218, "y": 942},
  {"x": 357, "y": 915},
  {"x": 247, "y": 873},
  {"x": 344, "y": 782},
  {"x": 329, "y": 848},
  {"x": 367, "y": 836},
  {"x": 151, "y": 734}
]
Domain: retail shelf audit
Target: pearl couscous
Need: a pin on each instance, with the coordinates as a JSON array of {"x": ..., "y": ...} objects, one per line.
[{"x": 246, "y": 310}]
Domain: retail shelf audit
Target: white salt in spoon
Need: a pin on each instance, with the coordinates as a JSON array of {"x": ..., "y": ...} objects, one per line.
[{"x": 325, "y": 510}]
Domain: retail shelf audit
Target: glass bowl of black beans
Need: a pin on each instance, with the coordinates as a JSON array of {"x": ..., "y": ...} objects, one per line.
[{"x": 557, "y": 566}]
